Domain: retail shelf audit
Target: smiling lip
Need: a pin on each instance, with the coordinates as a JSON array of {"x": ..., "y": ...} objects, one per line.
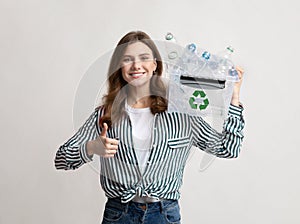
[{"x": 137, "y": 75}]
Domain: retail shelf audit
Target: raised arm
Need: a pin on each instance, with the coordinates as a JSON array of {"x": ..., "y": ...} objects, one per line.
[{"x": 228, "y": 143}]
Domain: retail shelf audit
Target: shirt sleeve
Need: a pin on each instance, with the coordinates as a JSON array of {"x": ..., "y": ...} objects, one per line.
[
  {"x": 72, "y": 154},
  {"x": 226, "y": 144}
]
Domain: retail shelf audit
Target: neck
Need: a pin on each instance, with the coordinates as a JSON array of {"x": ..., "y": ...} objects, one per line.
[{"x": 138, "y": 98}]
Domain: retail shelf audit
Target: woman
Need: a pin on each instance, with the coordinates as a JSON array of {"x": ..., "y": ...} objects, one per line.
[{"x": 142, "y": 148}]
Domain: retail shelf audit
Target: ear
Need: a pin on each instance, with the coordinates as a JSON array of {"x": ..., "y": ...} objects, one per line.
[{"x": 155, "y": 64}]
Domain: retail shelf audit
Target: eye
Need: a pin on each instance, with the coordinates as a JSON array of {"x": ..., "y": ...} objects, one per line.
[
  {"x": 145, "y": 58},
  {"x": 126, "y": 60}
]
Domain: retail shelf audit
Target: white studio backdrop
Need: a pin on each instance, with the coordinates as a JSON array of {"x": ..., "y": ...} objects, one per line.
[{"x": 47, "y": 47}]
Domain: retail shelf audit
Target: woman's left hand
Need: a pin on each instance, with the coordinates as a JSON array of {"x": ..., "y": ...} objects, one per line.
[{"x": 235, "y": 100}]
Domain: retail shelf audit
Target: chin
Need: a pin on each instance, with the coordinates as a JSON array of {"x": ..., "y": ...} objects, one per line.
[{"x": 139, "y": 83}]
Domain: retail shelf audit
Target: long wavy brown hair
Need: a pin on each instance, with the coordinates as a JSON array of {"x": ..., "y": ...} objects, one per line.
[{"x": 114, "y": 100}]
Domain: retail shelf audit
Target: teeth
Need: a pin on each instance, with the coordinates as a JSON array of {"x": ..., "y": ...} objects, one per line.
[{"x": 137, "y": 74}]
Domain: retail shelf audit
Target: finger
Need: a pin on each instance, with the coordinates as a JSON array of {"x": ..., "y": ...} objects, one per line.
[
  {"x": 104, "y": 130},
  {"x": 111, "y": 141},
  {"x": 239, "y": 68},
  {"x": 111, "y": 147},
  {"x": 240, "y": 71},
  {"x": 111, "y": 151},
  {"x": 108, "y": 145}
]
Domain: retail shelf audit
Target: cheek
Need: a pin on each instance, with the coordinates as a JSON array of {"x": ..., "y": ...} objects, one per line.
[{"x": 124, "y": 71}]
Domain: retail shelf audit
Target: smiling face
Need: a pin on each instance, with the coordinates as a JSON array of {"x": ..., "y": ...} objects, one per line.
[{"x": 138, "y": 65}]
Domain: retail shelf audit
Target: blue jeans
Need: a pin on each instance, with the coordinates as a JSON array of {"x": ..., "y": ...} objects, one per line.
[{"x": 162, "y": 212}]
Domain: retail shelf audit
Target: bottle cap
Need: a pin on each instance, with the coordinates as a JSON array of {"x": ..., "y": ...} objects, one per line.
[
  {"x": 192, "y": 47},
  {"x": 169, "y": 36},
  {"x": 172, "y": 55},
  {"x": 230, "y": 48},
  {"x": 206, "y": 55}
]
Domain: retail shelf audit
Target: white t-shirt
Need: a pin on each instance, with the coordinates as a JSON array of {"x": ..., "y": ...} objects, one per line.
[{"x": 142, "y": 124}]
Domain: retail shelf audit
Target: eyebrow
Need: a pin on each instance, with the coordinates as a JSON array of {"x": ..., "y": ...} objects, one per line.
[{"x": 143, "y": 54}]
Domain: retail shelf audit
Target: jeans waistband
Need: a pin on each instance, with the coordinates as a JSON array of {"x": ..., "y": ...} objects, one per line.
[
  {"x": 145, "y": 199},
  {"x": 159, "y": 205}
]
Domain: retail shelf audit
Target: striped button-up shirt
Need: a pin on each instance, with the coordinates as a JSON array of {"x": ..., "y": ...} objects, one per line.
[{"x": 173, "y": 135}]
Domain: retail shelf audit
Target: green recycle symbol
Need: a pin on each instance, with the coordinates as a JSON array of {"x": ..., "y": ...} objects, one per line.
[{"x": 194, "y": 104}]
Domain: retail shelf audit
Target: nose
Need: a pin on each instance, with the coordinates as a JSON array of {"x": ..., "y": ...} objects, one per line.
[{"x": 136, "y": 64}]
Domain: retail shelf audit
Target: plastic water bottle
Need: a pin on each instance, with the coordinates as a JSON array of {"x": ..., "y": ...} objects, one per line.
[
  {"x": 199, "y": 65},
  {"x": 190, "y": 60},
  {"x": 189, "y": 52},
  {"x": 172, "y": 53},
  {"x": 225, "y": 65},
  {"x": 207, "y": 65},
  {"x": 172, "y": 58}
]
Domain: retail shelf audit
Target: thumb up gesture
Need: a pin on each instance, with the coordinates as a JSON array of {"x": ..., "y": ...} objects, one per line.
[{"x": 102, "y": 145}]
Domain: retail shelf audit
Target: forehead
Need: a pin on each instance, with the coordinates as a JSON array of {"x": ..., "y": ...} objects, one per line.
[{"x": 137, "y": 48}]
